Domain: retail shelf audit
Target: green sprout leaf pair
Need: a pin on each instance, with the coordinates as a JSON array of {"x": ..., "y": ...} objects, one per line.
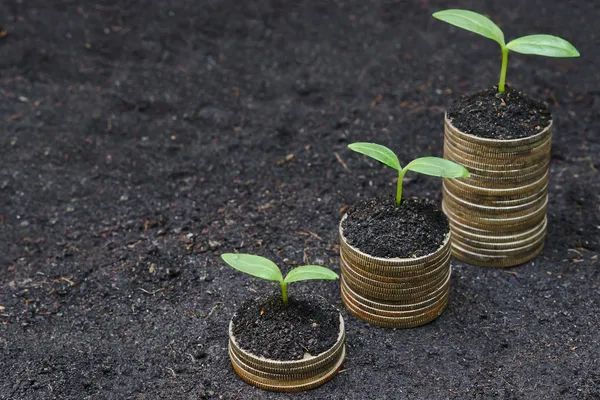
[
  {"x": 433, "y": 166},
  {"x": 541, "y": 45},
  {"x": 266, "y": 269}
]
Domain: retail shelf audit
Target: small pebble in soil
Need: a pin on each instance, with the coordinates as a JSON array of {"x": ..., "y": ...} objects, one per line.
[
  {"x": 380, "y": 228},
  {"x": 504, "y": 116},
  {"x": 267, "y": 327}
]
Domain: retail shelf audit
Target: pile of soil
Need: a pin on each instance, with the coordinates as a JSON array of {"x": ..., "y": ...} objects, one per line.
[
  {"x": 380, "y": 228},
  {"x": 493, "y": 115},
  {"x": 267, "y": 327}
]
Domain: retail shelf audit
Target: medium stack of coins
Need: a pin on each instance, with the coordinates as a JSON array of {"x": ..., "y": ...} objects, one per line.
[
  {"x": 395, "y": 292},
  {"x": 288, "y": 376},
  {"x": 498, "y": 215}
]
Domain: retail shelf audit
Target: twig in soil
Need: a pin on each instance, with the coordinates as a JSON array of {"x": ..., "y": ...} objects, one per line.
[
  {"x": 152, "y": 293},
  {"x": 287, "y": 158},
  {"x": 70, "y": 282},
  {"x": 213, "y": 309},
  {"x": 172, "y": 372},
  {"x": 575, "y": 251},
  {"x": 513, "y": 273},
  {"x": 311, "y": 234},
  {"x": 341, "y": 161}
]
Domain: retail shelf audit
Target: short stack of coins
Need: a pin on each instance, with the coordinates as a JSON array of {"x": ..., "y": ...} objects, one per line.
[
  {"x": 395, "y": 292},
  {"x": 288, "y": 376},
  {"x": 498, "y": 215}
]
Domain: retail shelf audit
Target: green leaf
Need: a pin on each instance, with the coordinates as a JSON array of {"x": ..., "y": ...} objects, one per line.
[
  {"x": 308, "y": 272},
  {"x": 543, "y": 45},
  {"x": 436, "y": 166},
  {"x": 377, "y": 152},
  {"x": 254, "y": 265},
  {"x": 473, "y": 22}
]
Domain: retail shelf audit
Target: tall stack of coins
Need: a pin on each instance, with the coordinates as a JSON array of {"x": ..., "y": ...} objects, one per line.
[
  {"x": 288, "y": 376},
  {"x": 498, "y": 215},
  {"x": 395, "y": 292}
]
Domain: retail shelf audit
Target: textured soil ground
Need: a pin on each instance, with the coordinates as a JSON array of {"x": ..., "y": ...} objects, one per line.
[{"x": 140, "y": 140}]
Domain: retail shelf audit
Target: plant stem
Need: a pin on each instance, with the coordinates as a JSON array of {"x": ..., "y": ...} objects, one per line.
[
  {"x": 284, "y": 295},
  {"x": 401, "y": 174},
  {"x": 503, "y": 70}
]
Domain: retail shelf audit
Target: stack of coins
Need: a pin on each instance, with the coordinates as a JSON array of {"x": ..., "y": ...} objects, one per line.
[
  {"x": 395, "y": 292},
  {"x": 288, "y": 376},
  {"x": 498, "y": 215}
]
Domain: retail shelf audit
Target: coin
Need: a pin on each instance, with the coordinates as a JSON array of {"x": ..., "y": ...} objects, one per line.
[
  {"x": 427, "y": 274},
  {"x": 292, "y": 365},
  {"x": 490, "y": 261},
  {"x": 493, "y": 239},
  {"x": 449, "y": 127},
  {"x": 415, "y": 311},
  {"x": 460, "y": 205},
  {"x": 466, "y": 144},
  {"x": 389, "y": 266},
  {"x": 492, "y": 224},
  {"x": 405, "y": 305},
  {"x": 290, "y": 385},
  {"x": 394, "y": 322},
  {"x": 409, "y": 294}
]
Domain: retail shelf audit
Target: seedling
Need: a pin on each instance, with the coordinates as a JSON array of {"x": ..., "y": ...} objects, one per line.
[
  {"x": 266, "y": 269},
  {"x": 433, "y": 166},
  {"x": 541, "y": 45}
]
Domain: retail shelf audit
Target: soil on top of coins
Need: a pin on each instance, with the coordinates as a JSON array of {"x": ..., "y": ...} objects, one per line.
[
  {"x": 504, "y": 116},
  {"x": 269, "y": 328},
  {"x": 380, "y": 228}
]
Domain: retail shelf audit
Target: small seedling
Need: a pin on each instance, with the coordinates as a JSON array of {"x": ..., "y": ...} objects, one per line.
[
  {"x": 266, "y": 269},
  {"x": 541, "y": 45},
  {"x": 433, "y": 166}
]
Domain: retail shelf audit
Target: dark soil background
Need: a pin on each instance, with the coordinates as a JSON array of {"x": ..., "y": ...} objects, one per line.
[{"x": 141, "y": 139}]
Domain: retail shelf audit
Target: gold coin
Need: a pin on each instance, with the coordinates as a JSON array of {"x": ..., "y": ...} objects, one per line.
[
  {"x": 497, "y": 151},
  {"x": 396, "y": 274},
  {"x": 495, "y": 158},
  {"x": 397, "y": 265},
  {"x": 497, "y": 224},
  {"x": 494, "y": 155},
  {"x": 524, "y": 190},
  {"x": 460, "y": 206},
  {"x": 506, "y": 181},
  {"x": 501, "y": 143},
  {"x": 496, "y": 201},
  {"x": 379, "y": 293},
  {"x": 518, "y": 250},
  {"x": 490, "y": 261},
  {"x": 493, "y": 168},
  {"x": 393, "y": 322},
  {"x": 416, "y": 311},
  {"x": 487, "y": 172},
  {"x": 263, "y": 363},
  {"x": 427, "y": 275},
  {"x": 292, "y": 385},
  {"x": 395, "y": 306},
  {"x": 285, "y": 375},
  {"x": 498, "y": 239}
]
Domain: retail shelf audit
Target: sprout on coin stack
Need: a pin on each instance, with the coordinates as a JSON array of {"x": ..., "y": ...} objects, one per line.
[
  {"x": 498, "y": 214},
  {"x": 281, "y": 343},
  {"x": 395, "y": 252}
]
